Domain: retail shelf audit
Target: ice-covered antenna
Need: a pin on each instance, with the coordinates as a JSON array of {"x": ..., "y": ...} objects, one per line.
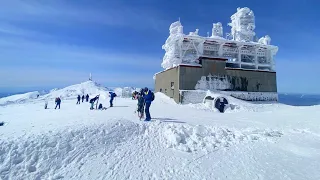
[
  {"x": 207, "y": 34},
  {"x": 179, "y": 19},
  {"x": 90, "y": 77}
]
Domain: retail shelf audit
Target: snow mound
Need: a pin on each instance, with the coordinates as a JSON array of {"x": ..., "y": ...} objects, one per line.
[
  {"x": 162, "y": 98},
  {"x": 19, "y": 98},
  {"x": 71, "y": 92},
  {"x": 237, "y": 105},
  {"x": 125, "y": 91},
  {"x": 193, "y": 138},
  {"x": 45, "y": 156}
]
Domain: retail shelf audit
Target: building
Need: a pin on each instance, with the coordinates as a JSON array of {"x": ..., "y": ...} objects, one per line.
[{"x": 239, "y": 65}]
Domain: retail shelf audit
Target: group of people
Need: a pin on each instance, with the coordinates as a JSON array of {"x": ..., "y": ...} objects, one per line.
[
  {"x": 78, "y": 98},
  {"x": 112, "y": 95},
  {"x": 144, "y": 97}
]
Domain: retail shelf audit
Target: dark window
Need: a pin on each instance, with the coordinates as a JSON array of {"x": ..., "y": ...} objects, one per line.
[
  {"x": 160, "y": 89},
  {"x": 172, "y": 85}
]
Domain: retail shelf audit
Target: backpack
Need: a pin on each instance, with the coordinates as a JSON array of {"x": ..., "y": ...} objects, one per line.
[{"x": 152, "y": 96}]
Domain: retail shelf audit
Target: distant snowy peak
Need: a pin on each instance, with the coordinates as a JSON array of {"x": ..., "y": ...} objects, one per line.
[
  {"x": 89, "y": 87},
  {"x": 71, "y": 92},
  {"x": 18, "y": 98}
]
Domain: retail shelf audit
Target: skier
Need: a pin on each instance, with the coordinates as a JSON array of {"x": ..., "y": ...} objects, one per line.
[
  {"x": 92, "y": 101},
  {"x": 82, "y": 98},
  {"x": 87, "y": 97},
  {"x": 58, "y": 102},
  {"x": 148, "y": 98},
  {"x": 78, "y": 98},
  {"x": 140, "y": 106},
  {"x": 112, "y": 96}
]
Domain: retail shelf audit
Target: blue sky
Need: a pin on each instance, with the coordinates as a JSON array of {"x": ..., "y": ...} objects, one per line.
[{"x": 54, "y": 43}]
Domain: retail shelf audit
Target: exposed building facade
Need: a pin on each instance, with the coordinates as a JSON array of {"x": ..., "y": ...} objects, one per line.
[{"x": 238, "y": 64}]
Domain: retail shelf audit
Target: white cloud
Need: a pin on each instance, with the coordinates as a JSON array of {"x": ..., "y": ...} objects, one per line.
[
  {"x": 85, "y": 12},
  {"x": 48, "y": 77}
]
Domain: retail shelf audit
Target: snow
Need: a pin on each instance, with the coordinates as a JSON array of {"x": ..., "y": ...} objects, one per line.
[
  {"x": 243, "y": 25},
  {"x": 171, "y": 46},
  {"x": 187, "y": 48},
  {"x": 71, "y": 92},
  {"x": 19, "y": 98},
  {"x": 192, "y": 141}
]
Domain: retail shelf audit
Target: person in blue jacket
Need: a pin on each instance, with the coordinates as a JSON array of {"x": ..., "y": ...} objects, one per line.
[
  {"x": 112, "y": 96},
  {"x": 148, "y": 98}
]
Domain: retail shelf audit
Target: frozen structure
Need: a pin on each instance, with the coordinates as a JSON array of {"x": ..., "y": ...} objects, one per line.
[
  {"x": 236, "y": 62},
  {"x": 238, "y": 47}
]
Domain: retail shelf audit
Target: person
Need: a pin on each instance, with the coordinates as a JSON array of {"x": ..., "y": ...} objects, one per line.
[
  {"x": 46, "y": 104},
  {"x": 148, "y": 98},
  {"x": 92, "y": 101},
  {"x": 58, "y": 102},
  {"x": 112, "y": 96},
  {"x": 101, "y": 107},
  {"x": 82, "y": 98},
  {"x": 140, "y": 106},
  {"x": 87, "y": 97},
  {"x": 78, "y": 98}
]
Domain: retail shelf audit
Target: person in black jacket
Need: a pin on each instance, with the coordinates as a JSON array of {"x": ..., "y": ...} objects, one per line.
[
  {"x": 78, "y": 98},
  {"x": 92, "y": 101},
  {"x": 140, "y": 109},
  {"x": 87, "y": 97},
  {"x": 58, "y": 102},
  {"x": 82, "y": 98}
]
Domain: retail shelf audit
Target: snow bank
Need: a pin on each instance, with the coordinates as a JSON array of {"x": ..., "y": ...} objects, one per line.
[
  {"x": 162, "y": 98},
  {"x": 193, "y": 138},
  {"x": 19, "y": 98},
  {"x": 45, "y": 155}
]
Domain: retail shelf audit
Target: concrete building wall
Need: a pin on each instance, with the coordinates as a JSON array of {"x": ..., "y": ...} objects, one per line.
[
  {"x": 189, "y": 76},
  {"x": 241, "y": 80},
  {"x": 185, "y": 77},
  {"x": 165, "y": 79},
  {"x": 253, "y": 81}
]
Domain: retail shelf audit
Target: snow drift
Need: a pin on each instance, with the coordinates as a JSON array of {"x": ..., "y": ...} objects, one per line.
[{"x": 19, "y": 98}]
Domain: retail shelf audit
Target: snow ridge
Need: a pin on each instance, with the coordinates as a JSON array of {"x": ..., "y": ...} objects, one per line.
[
  {"x": 44, "y": 156},
  {"x": 53, "y": 155},
  {"x": 193, "y": 138}
]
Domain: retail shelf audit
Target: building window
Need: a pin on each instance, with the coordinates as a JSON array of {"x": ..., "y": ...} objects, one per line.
[
  {"x": 165, "y": 91},
  {"x": 172, "y": 85},
  {"x": 160, "y": 89}
]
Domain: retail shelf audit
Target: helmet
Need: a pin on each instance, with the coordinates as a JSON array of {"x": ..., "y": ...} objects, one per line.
[{"x": 145, "y": 89}]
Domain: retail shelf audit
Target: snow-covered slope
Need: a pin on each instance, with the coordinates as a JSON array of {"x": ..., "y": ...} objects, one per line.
[
  {"x": 19, "y": 98},
  {"x": 71, "y": 92},
  {"x": 272, "y": 141}
]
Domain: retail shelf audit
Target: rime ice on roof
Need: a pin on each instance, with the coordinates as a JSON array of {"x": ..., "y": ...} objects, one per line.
[
  {"x": 239, "y": 46},
  {"x": 172, "y": 46},
  {"x": 243, "y": 25},
  {"x": 217, "y": 30}
]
